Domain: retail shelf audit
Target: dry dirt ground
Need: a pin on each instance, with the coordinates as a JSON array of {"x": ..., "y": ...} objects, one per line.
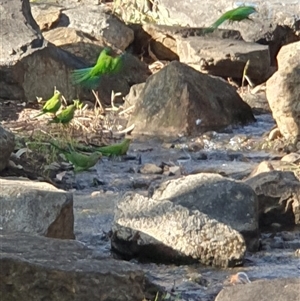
[{"x": 92, "y": 125}]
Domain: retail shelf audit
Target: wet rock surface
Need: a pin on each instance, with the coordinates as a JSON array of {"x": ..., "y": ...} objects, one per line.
[{"x": 94, "y": 213}]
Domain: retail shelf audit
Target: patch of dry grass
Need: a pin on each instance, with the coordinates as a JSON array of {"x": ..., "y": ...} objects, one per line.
[{"x": 92, "y": 125}]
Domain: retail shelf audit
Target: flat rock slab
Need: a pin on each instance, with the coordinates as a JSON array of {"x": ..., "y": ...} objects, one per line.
[
  {"x": 37, "y": 268},
  {"x": 164, "y": 38},
  {"x": 225, "y": 57},
  {"x": 36, "y": 207},
  {"x": 263, "y": 290}
]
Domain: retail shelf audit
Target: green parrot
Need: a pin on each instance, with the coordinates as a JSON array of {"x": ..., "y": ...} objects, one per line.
[
  {"x": 89, "y": 77},
  {"x": 80, "y": 161},
  {"x": 237, "y": 14},
  {"x": 65, "y": 116},
  {"x": 118, "y": 149},
  {"x": 52, "y": 105}
]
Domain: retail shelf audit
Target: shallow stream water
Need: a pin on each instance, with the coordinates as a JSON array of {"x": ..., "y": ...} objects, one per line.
[{"x": 229, "y": 152}]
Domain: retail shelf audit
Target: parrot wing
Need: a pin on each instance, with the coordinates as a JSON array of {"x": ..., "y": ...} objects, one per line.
[
  {"x": 236, "y": 14},
  {"x": 52, "y": 105},
  {"x": 118, "y": 149}
]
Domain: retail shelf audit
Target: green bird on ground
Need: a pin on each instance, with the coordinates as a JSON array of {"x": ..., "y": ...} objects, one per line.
[
  {"x": 118, "y": 149},
  {"x": 237, "y": 14},
  {"x": 52, "y": 105},
  {"x": 90, "y": 77},
  {"x": 81, "y": 162},
  {"x": 65, "y": 116}
]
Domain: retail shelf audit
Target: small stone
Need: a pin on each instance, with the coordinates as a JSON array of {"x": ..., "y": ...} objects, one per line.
[
  {"x": 274, "y": 134},
  {"x": 287, "y": 236},
  {"x": 150, "y": 168}
]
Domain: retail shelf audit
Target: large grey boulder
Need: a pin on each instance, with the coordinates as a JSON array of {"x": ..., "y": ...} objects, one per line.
[
  {"x": 7, "y": 144},
  {"x": 227, "y": 201},
  {"x": 283, "y": 91},
  {"x": 263, "y": 290},
  {"x": 38, "y": 268},
  {"x": 36, "y": 208},
  {"x": 278, "y": 194},
  {"x": 180, "y": 100},
  {"x": 160, "y": 230},
  {"x": 29, "y": 65}
]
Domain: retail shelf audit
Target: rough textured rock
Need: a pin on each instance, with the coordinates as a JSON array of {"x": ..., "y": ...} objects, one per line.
[
  {"x": 36, "y": 207},
  {"x": 225, "y": 57},
  {"x": 45, "y": 15},
  {"x": 96, "y": 22},
  {"x": 229, "y": 202},
  {"x": 150, "y": 168},
  {"x": 133, "y": 96},
  {"x": 76, "y": 42},
  {"x": 283, "y": 91},
  {"x": 37, "y": 268},
  {"x": 204, "y": 13},
  {"x": 222, "y": 53},
  {"x": 160, "y": 230},
  {"x": 19, "y": 32},
  {"x": 7, "y": 144},
  {"x": 90, "y": 20},
  {"x": 278, "y": 195},
  {"x": 29, "y": 65},
  {"x": 263, "y": 166},
  {"x": 183, "y": 101},
  {"x": 88, "y": 48},
  {"x": 163, "y": 40},
  {"x": 266, "y": 290},
  {"x": 257, "y": 100}
]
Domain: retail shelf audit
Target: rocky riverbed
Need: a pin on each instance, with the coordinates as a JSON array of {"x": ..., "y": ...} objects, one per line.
[{"x": 209, "y": 187}]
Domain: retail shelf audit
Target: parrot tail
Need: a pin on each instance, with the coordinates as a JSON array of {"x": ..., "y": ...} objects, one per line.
[{"x": 82, "y": 77}]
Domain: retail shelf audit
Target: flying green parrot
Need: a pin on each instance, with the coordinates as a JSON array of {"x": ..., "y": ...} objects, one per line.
[
  {"x": 80, "y": 161},
  {"x": 237, "y": 14},
  {"x": 89, "y": 77},
  {"x": 118, "y": 149},
  {"x": 65, "y": 116},
  {"x": 52, "y": 105}
]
